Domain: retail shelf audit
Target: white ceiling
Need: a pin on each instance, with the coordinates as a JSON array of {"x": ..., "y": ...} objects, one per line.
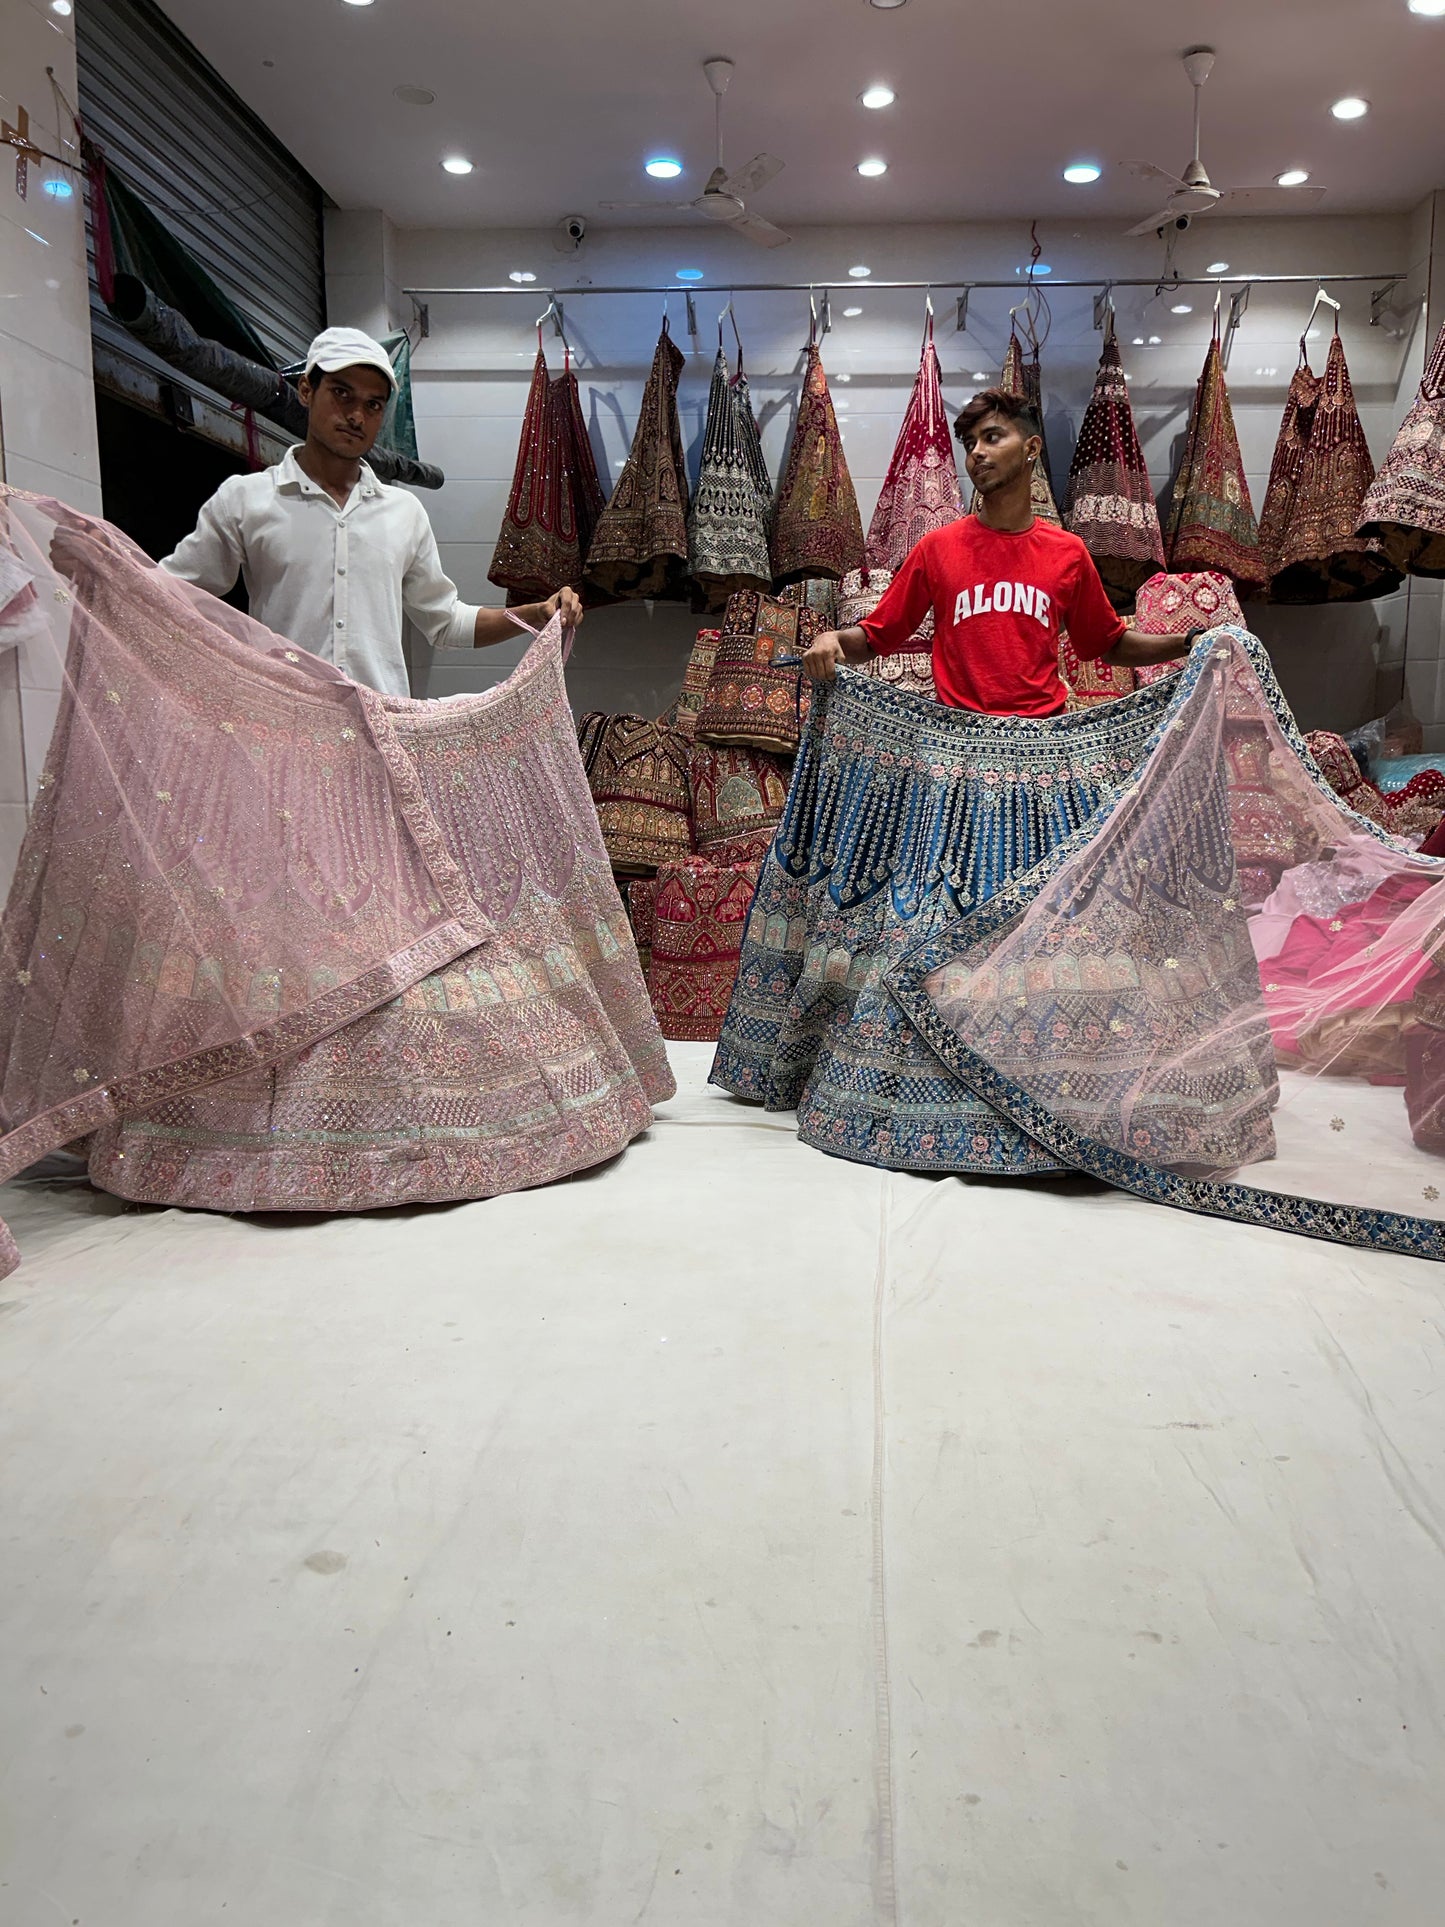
[{"x": 558, "y": 102}]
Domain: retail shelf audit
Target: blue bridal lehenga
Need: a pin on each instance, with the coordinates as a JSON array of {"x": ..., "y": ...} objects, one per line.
[{"x": 1144, "y": 940}]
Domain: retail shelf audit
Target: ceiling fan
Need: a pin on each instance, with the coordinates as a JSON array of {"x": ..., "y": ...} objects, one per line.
[
  {"x": 722, "y": 200},
  {"x": 1193, "y": 193}
]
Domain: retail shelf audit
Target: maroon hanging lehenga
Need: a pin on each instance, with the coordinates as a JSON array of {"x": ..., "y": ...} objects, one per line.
[
  {"x": 1318, "y": 482},
  {"x": 1109, "y": 502},
  {"x": 1404, "y": 507},
  {"x": 920, "y": 493},
  {"x": 1211, "y": 521},
  {"x": 639, "y": 548},
  {"x": 817, "y": 530},
  {"x": 555, "y": 498}
]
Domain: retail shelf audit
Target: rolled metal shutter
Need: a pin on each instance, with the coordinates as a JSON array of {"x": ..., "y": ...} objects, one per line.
[{"x": 212, "y": 171}]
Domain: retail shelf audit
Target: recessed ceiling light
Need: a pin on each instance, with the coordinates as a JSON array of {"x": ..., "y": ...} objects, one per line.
[
  {"x": 1217, "y": 267},
  {"x": 1181, "y": 307},
  {"x": 1350, "y": 108},
  {"x": 663, "y": 168},
  {"x": 1138, "y": 341},
  {"x": 870, "y": 170},
  {"x": 57, "y": 190},
  {"x": 1036, "y": 267},
  {"x": 1292, "y": 177},
  {"x": 885, "y": 5},
  {"x": 1154, "y": 340},
  {"x": 860, "y": 273},
  {"x": 358, "y": 3},
  {"x": 521, "y": 274},
  {"x": 689, "y": 274},
  {"x": 456, "y": 163},
  {"x": 415, "y": 96},
  {"x": 1082, "y": 172},
  {"x": 1432, "y": 9},
  {"x": 851, "y": 314},
  {"x": 877, "y": 95},
  {"x": 62, "y": 7}
]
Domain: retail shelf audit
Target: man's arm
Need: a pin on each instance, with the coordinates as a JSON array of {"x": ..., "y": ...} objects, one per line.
[
  {"x": 212, "y": 554},
  {"x": 1135, "y": 650},
  {"x": 496, "y": 625},
  {"x": 825, "y": 652},
  {"x": 430, "y": 600}
]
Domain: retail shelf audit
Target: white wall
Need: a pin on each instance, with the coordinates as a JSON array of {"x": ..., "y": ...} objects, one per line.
[
  {"x": 471, "y": 377},
  {"x": 47, "y": 401}
]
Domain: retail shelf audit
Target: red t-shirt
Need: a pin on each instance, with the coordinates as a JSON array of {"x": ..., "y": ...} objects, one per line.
[{"x": 999, "y": 601}]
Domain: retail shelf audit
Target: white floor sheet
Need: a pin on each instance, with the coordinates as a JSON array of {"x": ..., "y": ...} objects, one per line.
[{"x": 730, "y": 1538}]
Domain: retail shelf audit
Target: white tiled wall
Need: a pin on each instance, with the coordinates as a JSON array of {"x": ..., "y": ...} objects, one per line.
[
  {"x": 47, "y": 401},
  {"x": 471, "y": 378}
]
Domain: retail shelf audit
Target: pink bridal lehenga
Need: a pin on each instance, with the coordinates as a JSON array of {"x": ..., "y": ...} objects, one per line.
[{"x": 276, "y": 941}]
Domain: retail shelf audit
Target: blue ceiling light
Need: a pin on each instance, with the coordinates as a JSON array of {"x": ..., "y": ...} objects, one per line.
[
  {"x": 57, "y": 190},
  {"x": 663, "y": 168},
  {"x": 689, "y": 274},
  {"x": 1080, "y": 173},
  {"x": 1038, "y": 267}
]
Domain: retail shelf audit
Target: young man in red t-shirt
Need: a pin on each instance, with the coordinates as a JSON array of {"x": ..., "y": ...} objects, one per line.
[{"x": 1001, "y": 586}]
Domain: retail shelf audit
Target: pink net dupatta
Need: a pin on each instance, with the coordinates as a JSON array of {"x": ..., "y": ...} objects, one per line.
[
  {"x": 236, "y": 853},
  {"x": 920, "y": 493},
  {"x": 1159, "y": 1006}
]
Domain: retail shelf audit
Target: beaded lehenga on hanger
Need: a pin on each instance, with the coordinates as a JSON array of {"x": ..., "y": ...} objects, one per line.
[
  {"x": 555, "y": 498},
  {"x": 639, "y": 548},
  {"x": 920, "y": 493},
  {"x": 1318, "y": 484},
  {"x": 727, "y": 524},
  {"x": 817, "y": 530},
  {"x": 1404, "y": 507},
  {"x": 1110, "y": 502},
  {"x": 1211, "y": 518}
]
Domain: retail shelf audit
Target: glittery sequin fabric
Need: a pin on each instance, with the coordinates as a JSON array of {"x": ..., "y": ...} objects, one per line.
[
  {"x": 555, "y": 498},
  {"x": 727, "y": 524},
  {"x": 255, "y": 898},
  {"x": 1318, "y": 483},
  {"x": 920, "y": 492},
  {"x": 902, "y": 814},
  {"x": 752, "y": 697},
  {"x": 639, "y": 547},
  {"x": 699, "y": 914},
  {"x": 637, "y": 770},
  {"x": 1404, "y": 507},
  {"x": 1110, "y": 502},
  {"x": 1211, "y": 518},
  {"x": 817, "y": 530}
]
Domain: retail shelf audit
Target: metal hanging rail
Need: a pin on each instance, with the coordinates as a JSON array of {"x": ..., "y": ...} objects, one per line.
[{"x": 1043, "y": 284}]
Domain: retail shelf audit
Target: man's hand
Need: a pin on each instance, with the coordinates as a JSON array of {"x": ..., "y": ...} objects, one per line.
[
  {"x": 565, "y": 602},
  {"x": 821, "y": 657}
]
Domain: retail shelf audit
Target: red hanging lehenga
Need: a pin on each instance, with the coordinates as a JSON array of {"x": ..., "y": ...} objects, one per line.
[
  {"x": 920, "y": 493},
  {"x": 555, "y": 497}
]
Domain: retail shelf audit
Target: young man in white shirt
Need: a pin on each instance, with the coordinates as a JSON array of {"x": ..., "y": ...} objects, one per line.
[{"x": 333, "y": 559}]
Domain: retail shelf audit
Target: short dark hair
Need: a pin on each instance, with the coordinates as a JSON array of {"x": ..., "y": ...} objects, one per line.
[{"x": 997, "y": 401}]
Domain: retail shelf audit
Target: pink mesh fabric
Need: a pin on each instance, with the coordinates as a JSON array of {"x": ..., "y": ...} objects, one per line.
[
  {"x": 238, "y": 858},
  {"x": 1168, "y": 1005}
]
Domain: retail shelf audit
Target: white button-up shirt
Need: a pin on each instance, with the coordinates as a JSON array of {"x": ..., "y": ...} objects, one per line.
[{"x": 336, "y": 581}]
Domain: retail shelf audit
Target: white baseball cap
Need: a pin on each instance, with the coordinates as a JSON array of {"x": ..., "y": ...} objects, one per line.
[{"x": 338, "y": 348}]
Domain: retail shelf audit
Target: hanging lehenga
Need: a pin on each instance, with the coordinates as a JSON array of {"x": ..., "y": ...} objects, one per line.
[
  {"x": 555, "y": 497},
  {"x": 817, "y": 530},
  {"x": 1109, "y": 502},
  {"x": 1007, "y": 946},
  {"x": 1404, "y": 507},
  {"x": 276, "y": 941},
  {"x": 920, "y": 493},
  {"x": 1211, "y": 518},
  {"x": 1318, "y": 482},
  {"x": 639, "y": 547},
  {"x": 727, "y": 524}
]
